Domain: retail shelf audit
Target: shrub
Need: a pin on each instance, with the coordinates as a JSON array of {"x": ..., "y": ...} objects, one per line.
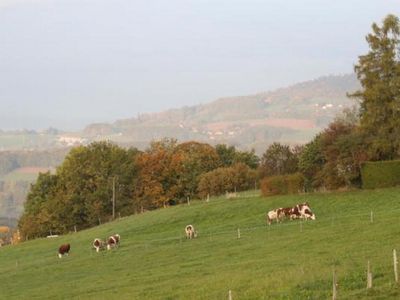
[
  {"x": 283, "y": 184},
  {"x": 380, "y": 174},
  {"x": 295, "y": 183},
  {"x": 238, "y": 177}
]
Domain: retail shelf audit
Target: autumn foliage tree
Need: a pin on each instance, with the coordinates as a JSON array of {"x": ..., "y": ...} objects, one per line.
[{"x": 238, "y": 177}]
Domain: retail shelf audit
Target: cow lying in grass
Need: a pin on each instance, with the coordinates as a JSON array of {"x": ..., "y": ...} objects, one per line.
[
  {"x": 63, "y": 250},
  {"x": 113, "y": 241},
  {"x": 98, "y": 244},
  {"x": 299, "y": 211},
  {"x": 190, "y": 232}
]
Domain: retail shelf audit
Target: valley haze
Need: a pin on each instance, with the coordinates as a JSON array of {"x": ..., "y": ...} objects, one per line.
[{"x": 66, "y": 64}]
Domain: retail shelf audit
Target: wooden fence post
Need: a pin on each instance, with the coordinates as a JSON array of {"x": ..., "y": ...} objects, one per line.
[
  {"x": 230, "y": 295},
  {"x": 208, "y": 198},
  {"x": 396, "y": 276},
  {"x": 188, "y": 200},
  {"x": 334, "y": 286},
  {"x": 369, "y": 276},
  {"x": 75, "y": 228},
  {"x": 372, "y": 217},
  {"x": 238, "y": 233}
]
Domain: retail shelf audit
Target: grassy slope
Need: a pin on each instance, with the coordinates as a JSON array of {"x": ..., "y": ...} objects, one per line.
[{"x": 278, "y": 262}]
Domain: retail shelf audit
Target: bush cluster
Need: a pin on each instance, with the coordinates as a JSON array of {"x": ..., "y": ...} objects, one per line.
[
  {"x": 282, "y": 184},
  {"x": 380, "y": 174}
]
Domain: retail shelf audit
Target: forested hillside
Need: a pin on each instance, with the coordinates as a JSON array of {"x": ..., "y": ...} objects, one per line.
[
  {"x": 289, "y": 115},
  {"x": 18, "y": 169}
]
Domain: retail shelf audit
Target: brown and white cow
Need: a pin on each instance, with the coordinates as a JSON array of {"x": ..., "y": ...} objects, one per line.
[
  {"x": 98, "y": 244},
  {"x": 190, "y": 232},
  {"x": 63, "y": 250},
  {"x": 273, "y": 215},
  {"x": 113, "y": 241}
]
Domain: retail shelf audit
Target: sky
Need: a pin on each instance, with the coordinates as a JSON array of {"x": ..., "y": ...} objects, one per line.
[{"x": 68, "y": 63}]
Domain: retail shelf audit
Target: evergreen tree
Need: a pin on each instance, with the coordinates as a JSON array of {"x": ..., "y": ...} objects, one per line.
[{"x": 379, "y": 74}]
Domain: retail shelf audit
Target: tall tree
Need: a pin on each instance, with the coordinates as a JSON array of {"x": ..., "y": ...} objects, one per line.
[
  {"x": 278, "y": 159},
  {"x": 379, "y": 74}
]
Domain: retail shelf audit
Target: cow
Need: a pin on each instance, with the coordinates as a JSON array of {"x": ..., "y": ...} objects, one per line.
[
  {"x": 303, "y": 211},
  {"x": 98, "y": 244},
  {"x": 64, "y": 250},
  {"x": 284, "y": 212},
  {"x": 190, "y": 232},
  {"x": 273, "y": 215},
  {"x": 113, "y": 241}
]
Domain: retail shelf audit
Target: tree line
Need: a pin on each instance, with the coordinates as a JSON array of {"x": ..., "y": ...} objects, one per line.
[{"x": 80, "y": 193}]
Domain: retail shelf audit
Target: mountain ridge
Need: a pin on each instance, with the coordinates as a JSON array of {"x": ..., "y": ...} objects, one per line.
[{"x": 292, "y": 115}]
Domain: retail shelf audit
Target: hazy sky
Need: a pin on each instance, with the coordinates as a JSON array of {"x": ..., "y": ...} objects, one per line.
[{"x": 66, "y": 63}]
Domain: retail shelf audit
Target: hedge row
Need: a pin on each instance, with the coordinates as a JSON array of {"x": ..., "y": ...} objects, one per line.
[
  {"x": 379, "y": 174},
  {"x": 283, "y": 184}
]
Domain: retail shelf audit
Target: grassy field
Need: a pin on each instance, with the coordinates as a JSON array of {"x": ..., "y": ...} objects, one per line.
[{"x": 292, "y": 260}]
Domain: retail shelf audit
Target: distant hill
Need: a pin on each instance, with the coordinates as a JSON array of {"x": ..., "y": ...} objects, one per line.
[{"x": 290, "y": 115}]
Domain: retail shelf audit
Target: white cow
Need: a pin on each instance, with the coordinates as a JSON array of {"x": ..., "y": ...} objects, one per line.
[{"x": 190, "y": 232}]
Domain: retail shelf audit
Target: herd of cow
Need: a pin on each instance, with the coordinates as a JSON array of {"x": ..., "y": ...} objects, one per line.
[
  {"x": 98, "y": 244},
  {"x": 299, "y": 211}
]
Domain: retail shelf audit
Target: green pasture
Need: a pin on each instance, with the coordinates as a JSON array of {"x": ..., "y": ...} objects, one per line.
[{"x": 292, "y": 260}]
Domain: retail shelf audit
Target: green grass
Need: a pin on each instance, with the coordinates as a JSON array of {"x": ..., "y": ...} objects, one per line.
[{"x": 284, "y": 261}]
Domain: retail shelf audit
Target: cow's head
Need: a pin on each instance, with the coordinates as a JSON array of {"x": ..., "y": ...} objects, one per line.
[{"x": 311, "y": 216}]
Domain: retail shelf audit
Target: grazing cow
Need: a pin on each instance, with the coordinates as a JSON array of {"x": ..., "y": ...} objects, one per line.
[
  {"x": 190, "y": 232},
  {"x": 63, "y": 250},
  {"x": 98, "y": 244},
  {"x": 273, "y": 215},
  {"x": 113, "y": 241}
]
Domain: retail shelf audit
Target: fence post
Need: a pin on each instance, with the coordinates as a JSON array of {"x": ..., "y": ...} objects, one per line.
[
  {"x": 188, "y": 200},
  {"x": 230, "y": 295},
  {"x": 369, "y": 276},
  {"x": 372, "y": 217},
  {"x": 334, "y": 286},
  {"x": 238, "y": 233},
  {"x": 75, "y": 228},
  {"x": 208, "y": 198},
  {"x": 396, "y": 276}
]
